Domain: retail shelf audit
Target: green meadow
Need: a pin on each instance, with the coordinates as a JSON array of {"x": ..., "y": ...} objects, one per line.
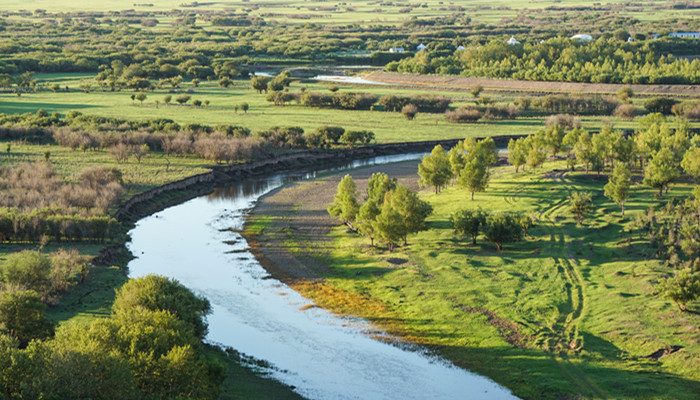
[
  {"x": 388, "y": 126},
  {"x": 569, "y": 310}
]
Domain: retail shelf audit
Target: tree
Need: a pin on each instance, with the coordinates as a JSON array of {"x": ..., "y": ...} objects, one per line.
[
  {"x": 468, "y": 222},
  {"x": 167, "y": 99},
  {"x": 345, "y": 206},
  {"x": 457, "y": 160},
  {"x": 22, "y": 315},
  {"x": 197, "y": 103},
  {"x": 366, "y": 219},
  {"x": 195, "y": 82},
  {"x": 244, "y": 107},
  {"x": 476, "y": 91},
  {"x": 474, "y": 177},
  {"x": 535, "y": 151},
  {"x": 691, "y": 162},
  {"x": 378, "y": 185},
  {"x": 584, "y": 150},
  {"x": 435, "y": 169},
  {"x": 409, "y": 111},
  {"x": 27, "y": 270},
  {"x": 580, "y": 204},
  {"x": 412, "y": 210},
  {"x": 182, "y": 99},
  {"x": 625, "y": 94},
  {"x": 618, "y": 187},
  {"x": 661, "y": 170},
  {"x": 158, "y": 293},
  {"x": 682, "y": 288},
  {"x": 517, "y": 154},
  {"x": 389, "y": 226},
  {"x": 553, "y": 136},
  {"x": 259, "y": 83},
  {"x": 502, "y": 228},
  {"x": 141, "y": 97}
]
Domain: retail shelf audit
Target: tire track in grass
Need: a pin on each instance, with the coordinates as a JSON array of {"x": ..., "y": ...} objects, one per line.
[{"x": 567, "y": 338}]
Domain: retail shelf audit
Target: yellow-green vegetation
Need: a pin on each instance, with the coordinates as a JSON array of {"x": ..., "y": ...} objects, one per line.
[
  {"x": 570, "y": 310},
  {"x": 387, "y": 126}
]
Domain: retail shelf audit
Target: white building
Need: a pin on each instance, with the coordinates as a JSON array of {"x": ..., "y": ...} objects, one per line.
[
  {"x": 512, "y": 41},
  {"x": 691, "y": 35},
  {"x": 396, "y": 50},
  {"x": 582, "y": 37},
  {"x": 421, "y": 47}
]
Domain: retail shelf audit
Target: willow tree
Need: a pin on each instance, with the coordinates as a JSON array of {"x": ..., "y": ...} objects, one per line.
[
  {"x": 435, "y": 169},
  {"x": 345, "y": 206}
]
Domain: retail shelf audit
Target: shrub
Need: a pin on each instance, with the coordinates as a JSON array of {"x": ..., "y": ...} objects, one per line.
[
  {"x": 409, "y": 111},
  {"x": 464, "y": 114},
  {"x": 687, "y": 109},
  {"x": 661, "y": 105},
  {"x": 566, "y": 121},
  {"x": 625, "y": 111}
]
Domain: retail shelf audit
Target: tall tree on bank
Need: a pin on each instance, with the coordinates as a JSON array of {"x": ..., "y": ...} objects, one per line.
[
  {"x": 580, "y": 205},
  {"x": 661, "y": 170},
  {"x": 468, "y": 222},
  {"x": 345, "y": 206},
  {"x": 618, "y": 187},
  {"x": 474, "y": 176},
  {"x": 435, "y": 169}
]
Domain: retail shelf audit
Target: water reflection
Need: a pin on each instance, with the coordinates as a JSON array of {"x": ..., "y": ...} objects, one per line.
[{"x": 324, "y": 356}]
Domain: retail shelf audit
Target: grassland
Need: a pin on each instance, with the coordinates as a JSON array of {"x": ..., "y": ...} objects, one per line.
[
  {"x": 388, "y": 126},
  {"x": 363, "y": 12},
  {"x": 570, "y": 312}
]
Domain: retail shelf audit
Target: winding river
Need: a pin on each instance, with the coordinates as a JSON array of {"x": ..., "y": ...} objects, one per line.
[{"x": 322, "y": 355}]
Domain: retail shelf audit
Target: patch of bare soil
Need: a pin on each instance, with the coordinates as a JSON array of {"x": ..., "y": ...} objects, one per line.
[
  {"x": 293, "y": 245},
  {"x": 458, "y": 82}
]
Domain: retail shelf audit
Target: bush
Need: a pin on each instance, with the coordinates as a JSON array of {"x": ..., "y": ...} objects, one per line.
[
  {"x": 464, "y": 114},
  {"x": 687, "y": 109},
  {"x": 625, "y": 111},
  {"x": 575, "y": 104},
  {"x": 661, "y": 105},
  {"x": 409, "y": 111},
  {"x": 566, "y": 121}
]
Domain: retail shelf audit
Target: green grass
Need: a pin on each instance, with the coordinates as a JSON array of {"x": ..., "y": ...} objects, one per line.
[
  {"x": 388, "y": 126},
  {"x": 363, "y": 12},
  {"x": 571, "y": 309}
]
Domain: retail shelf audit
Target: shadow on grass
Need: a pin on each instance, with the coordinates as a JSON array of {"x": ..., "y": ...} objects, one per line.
[{"x": 20, "y": 107}]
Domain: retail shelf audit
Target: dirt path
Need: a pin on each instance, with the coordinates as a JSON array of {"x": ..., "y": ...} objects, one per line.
[{"x": 458, "y": 82}]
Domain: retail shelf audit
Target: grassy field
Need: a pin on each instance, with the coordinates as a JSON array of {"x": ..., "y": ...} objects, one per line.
[
  {"x": 388, "y": 126},
  {"x": 570, "y": 312},
  {"x": 363, "y": 12}
]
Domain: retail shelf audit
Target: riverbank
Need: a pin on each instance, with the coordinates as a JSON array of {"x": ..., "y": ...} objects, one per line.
[{"x": 505, "y": 315}]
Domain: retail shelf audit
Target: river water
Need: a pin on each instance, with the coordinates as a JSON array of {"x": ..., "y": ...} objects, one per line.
[{"x": 322, "y": 355}]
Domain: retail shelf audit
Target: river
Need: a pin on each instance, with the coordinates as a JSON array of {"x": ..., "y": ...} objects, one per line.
[{"x": 322, "y": 355}]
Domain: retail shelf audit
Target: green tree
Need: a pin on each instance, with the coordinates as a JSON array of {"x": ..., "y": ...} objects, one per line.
[
  {"x": 259, "y": 83},
  {"x": 517, "y": 154},
  {"x": 182, "y": 99},
  {"x": 661, "y": 171},
  {"x": 345, "y": 206},
  {"x": 22, "y": 315},
  {"x": 691, "y": 162},
  {"x": 378, "y": 185},
  {"x": 141, "y": 97},
  {"x": 580, "y": 204},
  {"x": 27, "y": 270},
  {"x": 618, "y": 187},
  {"x": 625, "y": 94},
  {"x": 389, "y": 226},
  {"x": 502, "y": 228},
  {"x": 474, "y": 177},
  {"x": 366, "y": 219},
  {"x": 154, "y": 292},
  {"x": 167, "y": 99},
  {"x": 409, "y": 111},
  {"x": 244, "y": 107},
  {"x": 585, "y": 153},
  {"x": 468, "y": 222},
  {"x": 554, "y": 135},
  {"x": 682, "y": 288},
  {"x": 412, "y": 210},
  {"x": 435, "y": 169},
  {"x": 457, "y": 160},
  {"x": 476, "y": 91}
]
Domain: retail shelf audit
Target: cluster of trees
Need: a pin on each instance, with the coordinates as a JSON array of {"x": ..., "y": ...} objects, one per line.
[
  {"x": 674, "y": 233},
  {"x": 326, "y": 136},
  {"x": 661, "y": 151},
  {"x": 423, "y": 103},
  {"x": 498, "y": 228},
  {"x": 467, "y": 164},
  {"x": 389, "y": 213},
  {"x": 148, "y": 348},
  {"x": 570, "y": 104},
  {"x": 606, "y": 60},
  {"x": 344, "y": 100}
]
